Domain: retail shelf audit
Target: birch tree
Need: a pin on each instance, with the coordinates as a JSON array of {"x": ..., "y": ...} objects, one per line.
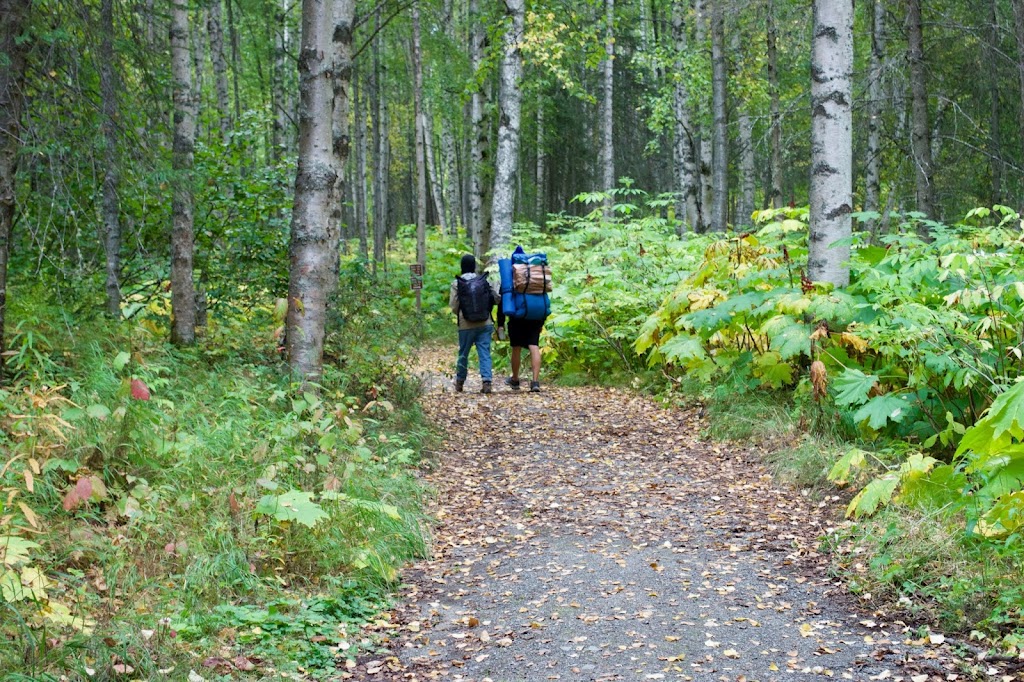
[
  {"x": 607, "y": 108},
  {"x": 509, "y": 109},
  {"x": 312, "y": 260},
  {"x": 831, "y": 183},
  {"x": 419, "y": 127},
  {"x": 183, "y": 293},
  {"x": 478, "y": 140},
  {"x": 341, "y": 38}
]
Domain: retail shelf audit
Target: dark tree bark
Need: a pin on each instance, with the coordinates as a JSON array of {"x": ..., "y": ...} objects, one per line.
[
  {"x": 183, "y": 293},
  {"x": 720, "y": 139},
  {"x": 920, "y": 133},
  {"x": 774, "y": 194},
  {"x": 873, "y": 172},
  {"x": 311, "y": 252},
  {"x": 111, "y": 210},
  {"x": 13, "y": 50},
  {"x": 215, "y": 29}
]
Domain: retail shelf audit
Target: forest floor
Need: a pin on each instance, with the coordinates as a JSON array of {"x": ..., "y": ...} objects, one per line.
[{"x": 591, "y": 534}]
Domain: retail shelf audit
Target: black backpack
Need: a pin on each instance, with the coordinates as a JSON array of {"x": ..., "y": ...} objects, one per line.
[{"x": 475, "y": 298}]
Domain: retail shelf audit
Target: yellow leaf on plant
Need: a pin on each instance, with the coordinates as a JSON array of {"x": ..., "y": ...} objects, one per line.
[
  {"x": 29, "y": 481},
  {"x": 29, "y": 514},
  {"x": 853, "y": 341}
]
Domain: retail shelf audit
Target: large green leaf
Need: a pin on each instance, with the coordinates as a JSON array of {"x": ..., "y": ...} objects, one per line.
[
  {"x": 294, "y": 505},
  {"x": 682, "y": 348},
  {"x": 853, "y": 459},
  {"x": 790, "y": 339},
  {"x": 1004, "y": 418},
  {"x": 874, "y": 495},
  {"x": 882, "y": 409},
  {"x": 852, "y": 387}
]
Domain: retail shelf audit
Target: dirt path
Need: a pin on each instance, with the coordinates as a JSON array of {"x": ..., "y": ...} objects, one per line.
[{"x": 588, "y": 534}]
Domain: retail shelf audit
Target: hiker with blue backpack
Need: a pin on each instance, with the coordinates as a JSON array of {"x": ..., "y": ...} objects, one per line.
[
  {"x": 525, "y": 283},
  {"x": 471, "y": 298}
]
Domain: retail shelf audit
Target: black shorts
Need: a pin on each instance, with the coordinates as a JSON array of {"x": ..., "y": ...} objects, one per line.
[{"x": 524, "y": 333}]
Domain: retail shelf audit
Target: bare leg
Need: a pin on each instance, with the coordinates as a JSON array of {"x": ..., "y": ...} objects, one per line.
[
  {"x": 534, "y": 362},
  {"x": 515, "y": 362}
]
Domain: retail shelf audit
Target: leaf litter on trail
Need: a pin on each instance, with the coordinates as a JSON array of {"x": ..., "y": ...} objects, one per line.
[{"x": 590, "y": 534}]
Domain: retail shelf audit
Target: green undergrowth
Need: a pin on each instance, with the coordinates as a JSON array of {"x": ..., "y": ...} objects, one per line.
[
  {"x": 167, "y": 510},
  {"x": 894, "y": 400}
]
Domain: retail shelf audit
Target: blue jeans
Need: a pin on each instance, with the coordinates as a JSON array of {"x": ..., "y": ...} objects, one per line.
[{"x": 481, "y": 337}]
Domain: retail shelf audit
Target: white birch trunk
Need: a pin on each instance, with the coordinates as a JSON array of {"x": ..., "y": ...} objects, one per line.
[
  {"x": 452, "y": 185},
  {"x": 509, "y": 105},
  {"x": 312, "y": 260},
  {"x": 703, "y": 140},
  {"x": 378, "y": 112},
  {"x": 831, "y": 189},
  {"x": 684, "y": 155},
  {"x": 420, "y": 128},
  {"x": 478, "y": 141},
  {"x": 183, "y": 293},
  {"x": 607, "y": 109}
]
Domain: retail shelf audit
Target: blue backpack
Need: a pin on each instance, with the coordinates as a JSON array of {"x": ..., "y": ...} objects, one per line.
[{"x": 520, "y": 305}]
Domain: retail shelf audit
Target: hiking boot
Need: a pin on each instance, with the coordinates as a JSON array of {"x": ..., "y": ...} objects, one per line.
[
  {"x": 486, "y": 387},
  {"x": 534, "y": 387},
  {"x": 459, "y": 383},
  {"x": 512, "y": 383}
]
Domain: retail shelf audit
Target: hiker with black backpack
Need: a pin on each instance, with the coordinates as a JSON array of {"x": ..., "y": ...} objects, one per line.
[{"x": 471, "y": 298}]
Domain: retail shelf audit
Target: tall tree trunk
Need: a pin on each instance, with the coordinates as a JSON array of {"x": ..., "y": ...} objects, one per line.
[
  {"x": 995, "y": 136},
  {"x": 920, "y": 133},
  {"x": 378, "y": 128},
  {"x": 873, "y": 175},
  {"x": 198, "y": 42},
  {"x": 703, "y": 145},
  {"x": 774, "y": 194},
  {"x": 452, "y": 185},
  {"x": 359, "y": 172},
  {"x": 183, "y": 293},
  {"x": 683, "y": 151},
  {"x": 831, "y": 190},
  {"x": 236, "y": 68},
  {"x": 278, "y": 100},
  {"x": 607, "y": 108},
  {"x": 421, "y": 164},
  {"x": 720, "y": 139},
  {"x": 341, "y": 42},
  {"x": 745, "y": 207},
  {"x": 220, "y": 68},
  {"x": 479, "y": 142},
  {"x": 434, "y": 178},
  {"x": 509, "y": 106},
  {"x": 539, "y": 208},
  {"x": 1018, "y": 32},
  {"x": 111, "y": 116},
  {"x": 13, "y": 20},
  {"x": 311, "y": 256}
]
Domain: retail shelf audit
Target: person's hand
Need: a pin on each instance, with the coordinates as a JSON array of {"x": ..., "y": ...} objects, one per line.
[{"x": 501, "y": 333}]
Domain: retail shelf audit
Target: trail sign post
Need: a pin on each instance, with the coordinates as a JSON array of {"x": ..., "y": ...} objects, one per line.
[{"x": 416, "y": 284}]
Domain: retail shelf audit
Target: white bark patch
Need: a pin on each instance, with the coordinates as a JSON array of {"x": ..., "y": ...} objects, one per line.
[{"x": 831, "y": 141}]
